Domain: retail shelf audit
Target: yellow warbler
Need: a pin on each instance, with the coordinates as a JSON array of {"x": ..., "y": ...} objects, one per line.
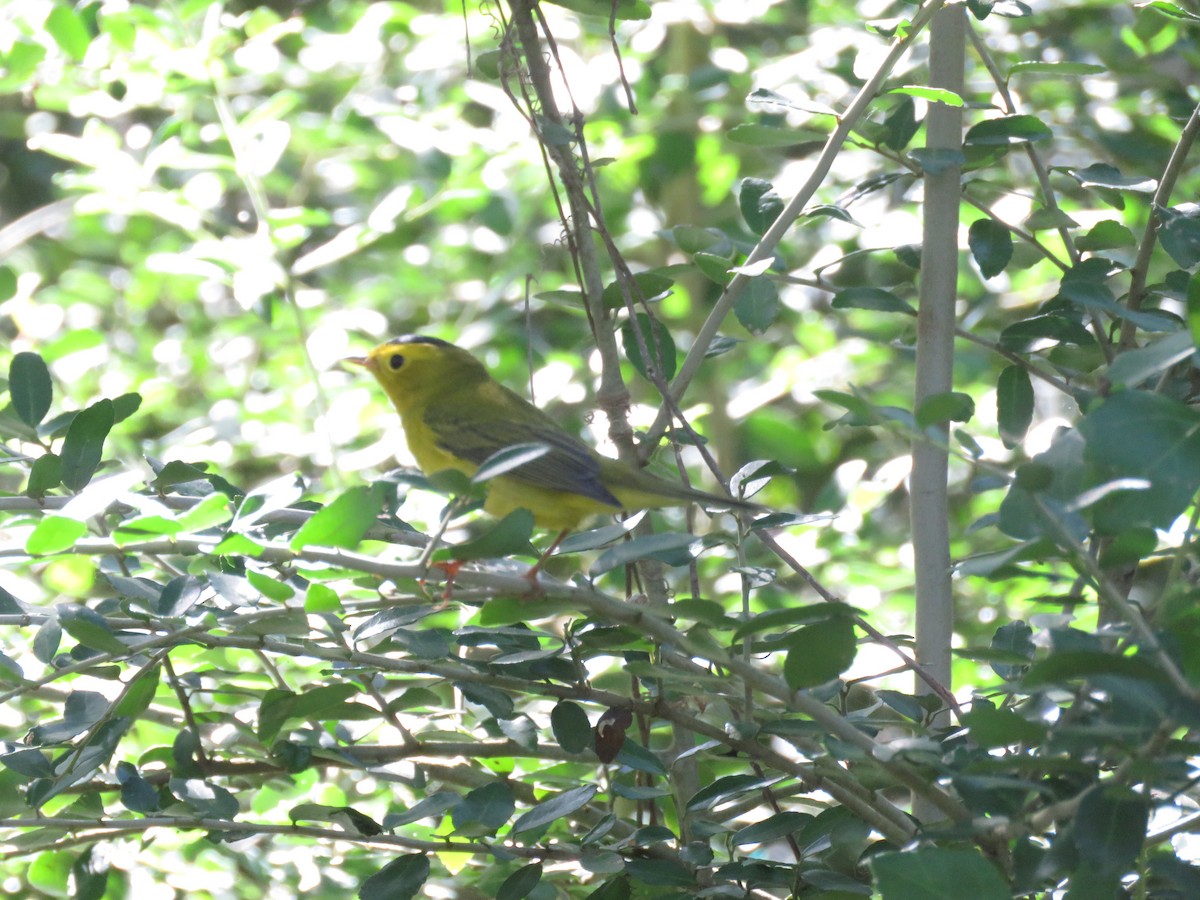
[{"x": 455, "y": 415}]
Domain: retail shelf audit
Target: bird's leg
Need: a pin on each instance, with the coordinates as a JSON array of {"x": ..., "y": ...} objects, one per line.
[{"x": 532, "y": 574}]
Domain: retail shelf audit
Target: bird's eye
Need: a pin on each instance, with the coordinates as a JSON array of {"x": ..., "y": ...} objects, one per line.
[{"x": 396, "y": 361}]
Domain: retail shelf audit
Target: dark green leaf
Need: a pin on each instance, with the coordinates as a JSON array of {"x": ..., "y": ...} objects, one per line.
[
  {"x": 81, "y": 711},
  {"x": 676, "y": 549},
  {"x": 89, "y": 872},
  {"x": 659, "y": 343},
  {"x": 758, "y": 306},
  {"x": 951, "y": 406},
  {"x": 726, "y": 788},
  {"x": 937, "y": 159},
  {"x": 484, "y": 809},
  {"x": 520, "y": 883},
  {"x": 870, "y": 298},
  {"x": 992, "y": 246},
  {"x": 1179, "y": 233},
  {"x": 1106, "y": 235},
  {"x": 507, "y": 537},
  {"x": 89, "y": 628},
  {"x": 1139, "y": 434},
  {"x": 1066, "y": 666},
  {"x": 494, "y": 700},
  {"x": 1015, "y": 638},
  {"x": 991, "y": 727},
  {"x": 622, "y": 10},
  {"x": 935, "y": 873},
  {"x": 433, "y": 806},
  {"x": 771, "y": 828},
  {"x": 1134, "y": 367},
  {"x": 400, "y": 879},
  {"x": 1014, "y": 404},
  {"x": 555, "y": 808},
  {"x": 84, "y": 444},
  {"x": 901, "y": 124},
  {"x": 646, "y": 286},
  {"x": 570, "y": 726},
  {"x": 759, "y": 203},
  {"x": 1007, "y": 130},
  {"x": 819, "y": 653},
  {"x": 1110, "y": 829},
  {"x": 30, "y": 388}
]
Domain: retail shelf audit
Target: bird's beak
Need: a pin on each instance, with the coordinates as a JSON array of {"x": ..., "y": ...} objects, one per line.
[{"x": 365, "y": 361}]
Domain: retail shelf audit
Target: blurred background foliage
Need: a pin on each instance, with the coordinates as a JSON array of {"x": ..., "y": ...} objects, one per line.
[{"x": 211, "y": 205}]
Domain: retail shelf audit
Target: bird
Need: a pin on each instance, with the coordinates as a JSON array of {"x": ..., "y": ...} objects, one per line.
[{"x": 455, "y": 415}]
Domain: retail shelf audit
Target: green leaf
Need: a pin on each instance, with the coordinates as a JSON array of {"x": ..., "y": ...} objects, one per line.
[
  {"x": 1179, "y": 233},
  {"x": 1060, "y": 68},
  {"x": 555, "y": 808},
  {"x": 951, "y": 406},
  {"x": 759, "y": 203},
  {"x": 433, "y": 806},
  {"x": 494, "y": 700},
  {"x": 991, "y": 727},
  {"x": 269, "y": 587},
  {"x": 726, "y": 788},
  {"x": 1007, "y": 131},
  {"x": 935, "y": 160},
  {"x": 933, "y": 95},
  {"x": 344, "y": 521},
  {"x": 992, "y": 246},
  {"x": 89, "y": 628},
  {"x": 1173, "y": 10},
  {"x": 509, "y": 536},
  {"x": 870, "y": 298},
  {"x": 659, "y": 343},
  {"x": 400, "y": 879},
  {"x": 755, "y": 135},
  {"x": 771, "y": 828},
  {"x": 819, "y": 653},
  {"x": 1138, "y": 434},
  {"x": 484, "y": 809},
  {"x": 53, "y": 534},
  {"x": 30, "y": 388},
  {"x": 1193, "y": 308},
  {"x": 674, "y": 549},
  {"x": 1047, "y": 218},
  {"x": 935, "y": 873},
  {"x": 649, "y": 286},
  {"x": 44, "y": 475},
  {"x": 622, "y": 10},
  {"x": 520, "y": 883},
  {"x": 758, "y": 306},
  {"x": 67, "y": 28},
  {"x": 901, "y": 125},
  {"x": 1014, "y": 404},
  {"x": 1110, "y": 829},
  {"x": 1102, "y": 175},
  {"x": 1134, "y": 367},
  {"x": 1015, "y": 638},
  {"x": 84, "y": 444},
  {"x": 1106, "y": 235},
  {"x": 714, "y": 268},
  {"x": 81, "y": 711},
  {"x": 1023, "y": 335},
  {"x": 570, "y": 726},
  {"x": 1066, "y": 666}
]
